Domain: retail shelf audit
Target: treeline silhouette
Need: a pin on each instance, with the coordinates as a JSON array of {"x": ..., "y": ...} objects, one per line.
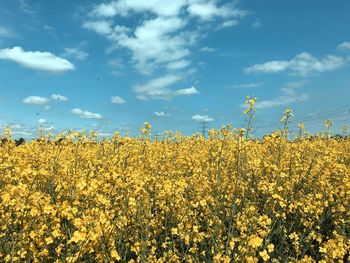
[{"x": 20, "y": 141}]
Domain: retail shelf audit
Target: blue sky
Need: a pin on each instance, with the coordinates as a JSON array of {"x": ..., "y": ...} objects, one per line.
[{"x": 111, "y": 65}]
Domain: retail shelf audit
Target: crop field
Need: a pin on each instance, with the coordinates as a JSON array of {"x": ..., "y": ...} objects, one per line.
[{"x": 179, "y": 199}]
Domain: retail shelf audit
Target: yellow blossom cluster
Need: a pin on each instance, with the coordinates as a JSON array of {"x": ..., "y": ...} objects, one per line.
[{"x": 178, "y": 199}]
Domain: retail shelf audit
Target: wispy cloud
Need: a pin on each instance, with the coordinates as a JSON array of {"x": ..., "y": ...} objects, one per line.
[
  {"x": 35, "y": 100},
  {"x": 180, "y": 64},
  {"x": 28, "y": 7},
  {"x": 344, "y": 46},
  {"x": 5, "y": 32},
  {"x": 117, "y": 100},
  {"x": 289, "y": 95},
  {"x": 161, "y": 114},
  {"x": 75, "y": 53},
  {"x": 41, "y": 61},
  {"x": 116, "y": 66},
  {"x": 229, "y": 23},
  {"x": 201, "y": 118},
  {"x": 125, "y": 7},
  {"x": 302, "y": 64},
  {"x": 256, "y": 24},
  {"x": 58, "y": 97},
  {"x": 209, "y": 10},
  {"x": 83, "y": 114},
  {"x": 158, "y": 88},
  {"x": 207, "y": 49}
]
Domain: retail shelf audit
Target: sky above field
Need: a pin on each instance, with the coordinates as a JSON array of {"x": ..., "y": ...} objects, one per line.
[{"x": 111, "y": 65}]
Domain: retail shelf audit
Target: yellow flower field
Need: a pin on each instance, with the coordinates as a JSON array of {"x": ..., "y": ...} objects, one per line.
[{"x": 179, "y": 199}]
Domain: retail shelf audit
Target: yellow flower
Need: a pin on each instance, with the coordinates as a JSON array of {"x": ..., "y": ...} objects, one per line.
[
  {"x": 115, "y": 255},
  {"x": 78, "y": 236},
  {"x": 49, "y": 240},
  {"x": 174, "y": 231},
  {"x": 264, "y": 255},
  {"x": 270, "y": 248},
  {"x": 255, "y": 241}
]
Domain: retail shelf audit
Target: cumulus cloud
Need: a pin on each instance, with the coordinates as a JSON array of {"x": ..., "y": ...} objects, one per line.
[
  {"x": 161, "y": 40},
  {"x": 42, "y": 121},
  {"x": 58, "y": 97},
  {"x": 158, "y": 88},
  {"x": 154, "y": 43},
  {"x": 102, "y": 27},
  {"x": 201, "y": 118},
  {"x": 117, "y": 100},
  {"x": 161, "y": 114},
  {"x": 75, "y": 53},
  {"x": 289, "y": 95},
  {"x": 41, "y": 61},
  {"x": 302, "y": 64},
  {"x": 164, "y": 37},
  {"x": 86, "y": 114},
  {"x": 35, "y": 100},
  {"x": 344, "y": 46}
]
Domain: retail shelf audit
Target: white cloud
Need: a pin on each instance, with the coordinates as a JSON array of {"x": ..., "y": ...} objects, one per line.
[
  {"x": 76, "y": 53},
  {"x": 35, "y": 100},
  {"x": 186, "y": 92},
  {"x": 86, "y": 114},
  {"x": 42, "y": 61},
  {"x": 154, "y": 43},
  {"x": 158, "y": 88},
  {"x": 42, "y": 121},
  {"x": 124, "y": 7},
  {"x": 180, "y": 64},
  {"x": 58, "y": 97},
  {"x": 302, "y": 64},
  {"x": 209, "y": 10},
  {"x": 207, "y": 49},
  {"x": 47, "y": 107},
  {"x": 229, "y": 23},
  {"x": 102, "y": 27},
  {"x": 163, "y": 38},
  {"x": 161, "y": 114},
  {"x": 201, "y": 118},
  {"x": 289, "y": 96},
  {"x": 117, "y": 100},
  {"x": 344, "y": 46}
]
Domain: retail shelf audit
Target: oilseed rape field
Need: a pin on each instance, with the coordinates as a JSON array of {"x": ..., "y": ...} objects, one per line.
[{"x": 225, "y": 198}]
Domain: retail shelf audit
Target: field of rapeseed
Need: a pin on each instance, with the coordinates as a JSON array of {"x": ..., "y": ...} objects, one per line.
[{"x": 179, "y": 199}]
